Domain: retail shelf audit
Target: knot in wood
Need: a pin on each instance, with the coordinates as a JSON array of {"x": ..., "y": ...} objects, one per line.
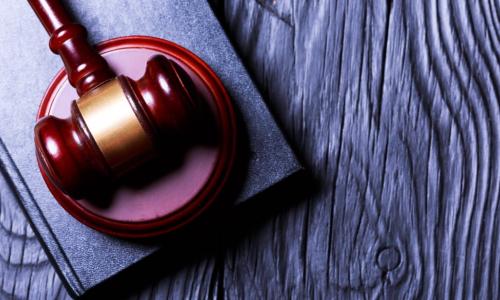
[{"x": 388, "y": 258}]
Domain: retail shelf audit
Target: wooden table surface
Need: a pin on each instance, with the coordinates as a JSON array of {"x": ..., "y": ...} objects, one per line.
[{"x": 393, "y": 106}]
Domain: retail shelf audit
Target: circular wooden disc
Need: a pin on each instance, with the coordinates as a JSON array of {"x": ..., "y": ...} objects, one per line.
[{"x": 169, "y": 197}]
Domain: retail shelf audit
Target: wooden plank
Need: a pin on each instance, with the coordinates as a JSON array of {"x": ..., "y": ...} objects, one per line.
[
  {"x": 393, "y": 105},
  {"x": 394, "y": 108}
]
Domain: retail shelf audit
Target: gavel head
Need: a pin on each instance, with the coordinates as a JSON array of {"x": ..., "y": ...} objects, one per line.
[{"x": 117, "y": 126}]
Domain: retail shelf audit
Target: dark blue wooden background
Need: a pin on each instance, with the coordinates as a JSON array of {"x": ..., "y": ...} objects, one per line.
[{"x": 394, "y": 108}]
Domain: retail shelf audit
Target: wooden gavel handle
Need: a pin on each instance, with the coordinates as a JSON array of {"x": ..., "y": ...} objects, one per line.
[{"x": 86, "y": 69}]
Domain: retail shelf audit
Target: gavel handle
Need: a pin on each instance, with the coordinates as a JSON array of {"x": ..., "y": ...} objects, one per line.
[{"x": 86, "y": 69}]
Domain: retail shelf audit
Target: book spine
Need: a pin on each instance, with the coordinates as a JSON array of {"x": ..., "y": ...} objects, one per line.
[{"x": 38, "y": 223}]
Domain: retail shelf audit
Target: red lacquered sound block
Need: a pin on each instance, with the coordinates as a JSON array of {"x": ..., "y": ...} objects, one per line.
[{"x": 162, "y": 196}]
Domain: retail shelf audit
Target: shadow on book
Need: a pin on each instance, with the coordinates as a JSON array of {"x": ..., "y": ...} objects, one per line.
[{"x": 205, "y": 242}]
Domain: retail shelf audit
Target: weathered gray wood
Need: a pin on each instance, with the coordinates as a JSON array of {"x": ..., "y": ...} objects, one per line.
[{"x": 394, "y": 107}]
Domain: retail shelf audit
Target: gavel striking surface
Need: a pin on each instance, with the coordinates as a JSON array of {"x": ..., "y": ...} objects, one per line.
[{"x": 163, "y": 201}]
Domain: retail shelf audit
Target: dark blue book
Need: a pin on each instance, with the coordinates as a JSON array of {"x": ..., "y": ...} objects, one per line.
[{"x": 85, "y": 258}]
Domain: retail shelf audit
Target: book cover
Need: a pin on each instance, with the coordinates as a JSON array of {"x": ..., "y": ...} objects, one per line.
[{"x": 84, "y": 258}]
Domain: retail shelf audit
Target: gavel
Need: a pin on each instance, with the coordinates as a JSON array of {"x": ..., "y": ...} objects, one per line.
[{"x": 117, "y": 124}]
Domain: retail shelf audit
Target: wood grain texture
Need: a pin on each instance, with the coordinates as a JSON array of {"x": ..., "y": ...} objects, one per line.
[{"x": 394, "y": 108}]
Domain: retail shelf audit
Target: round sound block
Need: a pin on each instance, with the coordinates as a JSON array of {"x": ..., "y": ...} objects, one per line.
[{"x": 161, "y": 197}]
